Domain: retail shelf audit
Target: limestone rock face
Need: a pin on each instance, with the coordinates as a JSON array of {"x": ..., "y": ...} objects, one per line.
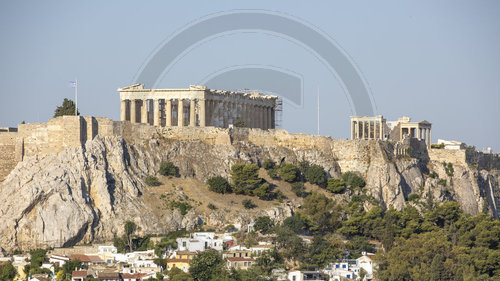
[{"x": 85, "y": 194}]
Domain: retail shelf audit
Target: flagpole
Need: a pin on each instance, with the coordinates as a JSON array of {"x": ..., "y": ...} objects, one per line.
[
  {"x": 76, "y": 96},
  {"x": 318, "y": 110}
]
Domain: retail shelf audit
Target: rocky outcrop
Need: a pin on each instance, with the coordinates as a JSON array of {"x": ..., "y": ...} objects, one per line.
[{"x": 86, "y": 193}]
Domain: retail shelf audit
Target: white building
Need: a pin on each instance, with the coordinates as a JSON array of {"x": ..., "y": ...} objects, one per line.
[
  {"x": 452, "y": 144},
  {"x": 58, "y": 260},
  {"x": 351, "y": 269},
  {"x": 200, "y": 241},
  {"x": 298, "y": 275}
]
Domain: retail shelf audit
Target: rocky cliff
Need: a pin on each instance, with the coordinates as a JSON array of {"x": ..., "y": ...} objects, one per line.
[{"x": 85, "y": 193}]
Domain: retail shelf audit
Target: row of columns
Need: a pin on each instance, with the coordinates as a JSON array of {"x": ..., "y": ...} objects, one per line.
[
  {"x": 421, "y": 134},
  {"x": 156, "y": 108},
  {"x": 359, "y": 130},
  {"x": 219, "y": 113}
]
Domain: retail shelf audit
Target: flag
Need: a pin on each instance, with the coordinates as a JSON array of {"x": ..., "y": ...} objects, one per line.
[{"x": 72, "y": 84}]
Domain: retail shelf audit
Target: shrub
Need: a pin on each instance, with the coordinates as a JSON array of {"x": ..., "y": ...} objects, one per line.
[
  {"x": 152, "y": 181},
  {"x": 263, "y": 191},
  {"x": 449, "y": 169},
  {"x": 245, "y": 178},
  {"x": 299, "y": 189},
  {"x": 437, "y": 146},
  {"x": 295, "y": 223},
  {"x": 212, "y": 206},
  {"x": 413, "y": 197},
  {"x": 248, "y": 204},
  {"x": 268, "y": 164},
  {"x": 168, "y": 169},
  {"x": 433, "y": 175},
  {"x": 335, "y": 185},
  {"x": 219, "y": 184},
  {"x": 230, "y": 228},
  {"x": 353, "y": 180},
  {"x": 182, "y": 206},
  {"x": 315, "y": 174},
  {"x": 288, "y": 172},
  {"x": 263, "y": 224},
  {"x": 273, "y": 173},
  {"x": 442, "y": 182}
]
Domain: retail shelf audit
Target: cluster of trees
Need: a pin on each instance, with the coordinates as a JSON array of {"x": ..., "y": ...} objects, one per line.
[{"x": 245, "y": 180}]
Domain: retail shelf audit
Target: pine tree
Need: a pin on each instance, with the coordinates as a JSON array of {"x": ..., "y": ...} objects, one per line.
[
  {"x": 67, "y": 108},
  {"x": 437, "y": 272}
]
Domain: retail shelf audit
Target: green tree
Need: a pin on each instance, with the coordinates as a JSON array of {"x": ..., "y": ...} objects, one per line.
[
  {"x": 263, "y": 192},
  {"x": 437, "y": 271},
  {"x": 130, "y": 228},
  {"x": 67, "y": 108},
  {"x": 335, "y": 185},
  {"x": 152, "y": 181},
  {"x": 263, "y": 224},
  {"x": 219, "y": 184},
  {"x": 289, "y": 172},
  {"x": 7, "y": 272},
  {"x": 176, "y": 274},
  {"x": 268, "y": 164},
  {"x": 248, "y": 204},
  {"x": 353, "y": 180},
  {"x": 206, "y": 265},
  {"x": 168, "y": 169},
  {"x": 245, "y": 178},
  {"x": 322, "y": 212},
  {"x": 315, "y": 174},
  {"x": 299, "y": 189},
  {"x": 295, "y": 223}
]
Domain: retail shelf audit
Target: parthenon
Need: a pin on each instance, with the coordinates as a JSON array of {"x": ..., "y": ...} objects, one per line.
[{"x": 199, "y": 106}]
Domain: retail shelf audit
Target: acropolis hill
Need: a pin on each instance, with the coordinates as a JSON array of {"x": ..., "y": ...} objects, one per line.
[{"x": 76, "y": 179}]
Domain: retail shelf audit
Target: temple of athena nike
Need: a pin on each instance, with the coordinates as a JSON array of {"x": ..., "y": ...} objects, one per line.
[{"x": 197, "y": 106}]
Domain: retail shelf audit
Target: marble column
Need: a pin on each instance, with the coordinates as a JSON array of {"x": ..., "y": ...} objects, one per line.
[
  {"x": 269, "y": 118},
  {"x": 369, "y": 129},
  {"x": 381, "y": 130},
  {"x": 168, "y": 112},
  {"x": 156, "y": 118},
  {"x": 192, "y": 113},
  {"x": 123, "y": 110},
  {"x": 133, "y": 113},
  {"x": 202, "y": 112},
  {"x": 430, "y": 140},
  {"x": 180, "y": 113},
  {"x": 144, "y": 112},
  {"x": 363, "y": 125}
]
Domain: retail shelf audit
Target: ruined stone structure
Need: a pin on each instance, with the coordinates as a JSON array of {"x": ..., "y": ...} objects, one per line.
[
  {"x": 367, "y": 127},
  {"x": 196, "y": 106},
  {"x": 404, "y": 127}
]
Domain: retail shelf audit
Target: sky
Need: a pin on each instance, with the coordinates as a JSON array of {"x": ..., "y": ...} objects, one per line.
[{"x": 430, "y": 60}]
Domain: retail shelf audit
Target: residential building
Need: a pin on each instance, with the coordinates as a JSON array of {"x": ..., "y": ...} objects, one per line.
[
  {"x": 240, "y": 263},
  {"x": 298, "y": 275}
]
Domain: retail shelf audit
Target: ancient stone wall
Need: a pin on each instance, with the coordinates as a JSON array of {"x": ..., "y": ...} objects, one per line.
[
  {"x": 7, "y": 156},
  {"x": 448, "y": 155},
  {"x": 58, "y": 134}
]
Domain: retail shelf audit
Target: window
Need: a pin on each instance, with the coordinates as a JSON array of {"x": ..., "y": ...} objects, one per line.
[
  {"x": 183, "y": 243},
  {"x": 337, "y": 266},
  {"x": 343, "y": 266},
  {"x": 294, "y": 278}
]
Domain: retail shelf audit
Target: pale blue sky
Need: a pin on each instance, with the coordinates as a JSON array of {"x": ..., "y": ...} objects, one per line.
[{"x": 432, "y": 60}]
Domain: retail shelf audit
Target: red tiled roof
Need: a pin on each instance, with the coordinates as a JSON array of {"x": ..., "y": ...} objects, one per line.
[
  {"x": 79, "y": 273},
  {"x": 240, "y": 259},
  {"x": 86, "y": 258},
  {"x": 177, "y": 260},
  {"x": 133, "y": 275}
]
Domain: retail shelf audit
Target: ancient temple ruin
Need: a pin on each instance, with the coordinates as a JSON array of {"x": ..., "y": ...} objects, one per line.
[
  {"x": 376, "y": 127},
  {"x": 197, "y": 106}
]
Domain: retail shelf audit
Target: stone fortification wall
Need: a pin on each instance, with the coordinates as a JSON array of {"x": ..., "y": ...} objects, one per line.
[
  {"x": 7, "y": 156},
  {"x": 58, "y": 134},
  {"x": 448, "y": 155}
]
